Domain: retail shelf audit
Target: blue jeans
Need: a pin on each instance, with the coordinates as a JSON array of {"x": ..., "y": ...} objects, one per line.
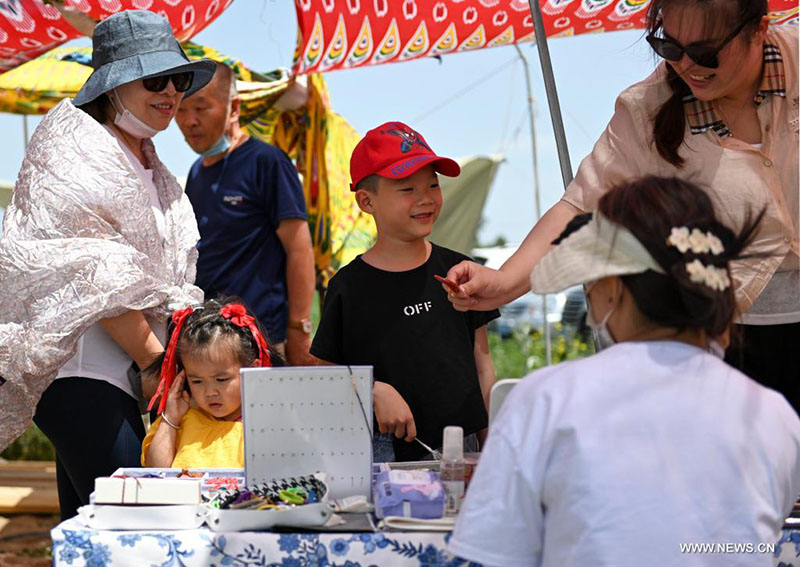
[
  {"x": 95, "y": 428},
  {"x": 382, "y": 448}
]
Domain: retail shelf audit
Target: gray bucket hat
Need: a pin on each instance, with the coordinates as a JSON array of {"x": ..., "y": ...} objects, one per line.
[{"x": 136, "y": 44}]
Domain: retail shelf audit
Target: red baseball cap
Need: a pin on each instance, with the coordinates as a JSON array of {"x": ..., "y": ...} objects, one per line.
[{"x": 395, "y": 151}]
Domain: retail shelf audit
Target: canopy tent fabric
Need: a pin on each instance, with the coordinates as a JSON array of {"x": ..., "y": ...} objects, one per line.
[
  {"x": 295, "y": 117},
  {"x": 29, "y": 28},
  {"x": 464, "y": 197},
  {"x": 344, "y": 35}
]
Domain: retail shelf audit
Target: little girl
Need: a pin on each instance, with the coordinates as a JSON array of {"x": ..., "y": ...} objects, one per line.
[{"x": 208, "y": 345}]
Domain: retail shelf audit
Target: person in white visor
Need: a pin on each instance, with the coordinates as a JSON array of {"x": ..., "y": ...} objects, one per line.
[{"x": 631, "y": 456}]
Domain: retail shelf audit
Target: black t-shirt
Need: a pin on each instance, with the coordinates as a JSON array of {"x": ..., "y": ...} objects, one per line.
[{"x": 402, "y": 324}]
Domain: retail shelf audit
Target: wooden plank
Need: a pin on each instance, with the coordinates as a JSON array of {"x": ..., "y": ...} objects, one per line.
[
  {"x": 28, "y": 500},
  {"x": 28, "y": 487},
  {"x": 29, "y": 475},
  {"x": 42, "y": 466}
]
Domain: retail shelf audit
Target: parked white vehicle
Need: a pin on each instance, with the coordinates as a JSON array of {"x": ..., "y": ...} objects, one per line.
[{"x": 567, "y": 307}]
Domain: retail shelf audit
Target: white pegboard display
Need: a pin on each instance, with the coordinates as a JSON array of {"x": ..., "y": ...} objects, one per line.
[{"x": 303, "y": 419}]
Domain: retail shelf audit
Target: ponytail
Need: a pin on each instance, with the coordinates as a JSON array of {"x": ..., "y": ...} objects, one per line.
[{"x": 669, "y": 124}]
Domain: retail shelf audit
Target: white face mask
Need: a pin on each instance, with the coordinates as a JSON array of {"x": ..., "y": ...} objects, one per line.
[
  {"x": 127, "y": 122},
  {"x": 716, "y": 349},
  {"x": 601, "y": 328}
]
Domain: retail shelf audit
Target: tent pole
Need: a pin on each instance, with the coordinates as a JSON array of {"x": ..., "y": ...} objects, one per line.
[
  {"x": 552, "y": 94},
  {"x": 555, "y": 107},
  {"x": 536, "y": 193}
]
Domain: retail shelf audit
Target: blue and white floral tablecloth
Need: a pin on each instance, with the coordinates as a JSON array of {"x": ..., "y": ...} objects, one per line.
[{"x": 74, "y": 545}]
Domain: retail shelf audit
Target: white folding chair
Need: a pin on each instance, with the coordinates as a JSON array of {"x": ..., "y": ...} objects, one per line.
[{"x": 498, "y": 395}]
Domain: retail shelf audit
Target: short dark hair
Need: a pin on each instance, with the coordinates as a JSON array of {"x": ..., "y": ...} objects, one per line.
[
  {"x": 369, "y": 183},
  {"x": 100, "y": 108}
]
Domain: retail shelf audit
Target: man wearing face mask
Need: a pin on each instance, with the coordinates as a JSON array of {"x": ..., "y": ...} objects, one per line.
[{"x": 250, "y": 209}]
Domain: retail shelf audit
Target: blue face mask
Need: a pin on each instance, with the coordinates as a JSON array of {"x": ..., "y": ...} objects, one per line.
[{"x": 221, "y": 146}]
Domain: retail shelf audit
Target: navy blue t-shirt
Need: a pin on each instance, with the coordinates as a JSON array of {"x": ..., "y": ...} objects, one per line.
[{"x": 239, "y": 202}]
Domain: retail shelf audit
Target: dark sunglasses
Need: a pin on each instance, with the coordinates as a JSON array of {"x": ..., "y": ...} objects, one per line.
[
  {"x": 706, "y": 57},
  {"x": 181, "y": 81}
]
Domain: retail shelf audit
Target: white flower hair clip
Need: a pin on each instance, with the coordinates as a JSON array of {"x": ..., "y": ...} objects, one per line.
[
  {"x": 712, "y": 276},
  {"x": 696, "y": 240}
]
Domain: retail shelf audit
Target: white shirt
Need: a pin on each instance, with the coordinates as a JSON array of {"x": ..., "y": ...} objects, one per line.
[
  {"x": 98, "y": 355},
  {"x": 146, "y": 175},
  {"x": 617, "y": 459}
]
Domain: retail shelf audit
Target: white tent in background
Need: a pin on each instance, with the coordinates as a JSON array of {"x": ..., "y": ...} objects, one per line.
[{"x": 464, "y": 198}]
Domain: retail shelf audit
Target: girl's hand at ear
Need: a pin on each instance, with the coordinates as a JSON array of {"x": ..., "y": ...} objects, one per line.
[{"x": 177, "y": 399}]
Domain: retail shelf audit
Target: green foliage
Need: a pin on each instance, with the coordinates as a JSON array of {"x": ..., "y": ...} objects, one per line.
[
  {"x": 524, "y": 351},
  {"x": 46, "y": 551},
  {"x": 31, "y": 446}
]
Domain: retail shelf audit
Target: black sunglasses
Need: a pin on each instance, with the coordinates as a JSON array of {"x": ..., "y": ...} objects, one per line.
[
  {"x": 706, "y": 57},
  {"x": 181, "y": 81}
]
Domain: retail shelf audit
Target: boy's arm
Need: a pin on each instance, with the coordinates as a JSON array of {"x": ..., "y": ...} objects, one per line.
[
  {"x": 392, "y": 412},
  {"x": 486, "y": 375},
  {"x": 483, "y": 362}
]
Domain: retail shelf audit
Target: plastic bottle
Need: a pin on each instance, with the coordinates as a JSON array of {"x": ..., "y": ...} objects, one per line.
[{"x": 452, "y": 468}]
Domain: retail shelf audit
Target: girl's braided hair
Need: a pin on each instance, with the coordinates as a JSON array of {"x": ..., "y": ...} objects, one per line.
[{"x": 212, "y": 325}]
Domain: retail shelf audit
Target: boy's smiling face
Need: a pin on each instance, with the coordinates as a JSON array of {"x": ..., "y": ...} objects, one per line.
[{"x": 404, "y": 209}]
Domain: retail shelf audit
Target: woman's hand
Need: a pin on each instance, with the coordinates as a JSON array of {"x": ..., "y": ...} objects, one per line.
[
  {"x": 177, "y": 399},
  {"x": 482, "y": 288}
]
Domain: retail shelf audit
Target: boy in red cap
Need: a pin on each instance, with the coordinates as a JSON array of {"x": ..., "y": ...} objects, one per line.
[{"x": 385, "y": 309}]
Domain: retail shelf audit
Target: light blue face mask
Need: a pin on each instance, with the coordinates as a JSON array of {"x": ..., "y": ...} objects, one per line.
[{"x": 221, "y": 146}]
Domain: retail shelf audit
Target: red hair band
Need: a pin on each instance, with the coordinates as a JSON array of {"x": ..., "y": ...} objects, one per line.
[
  {"x": 236, "y": 313},
  {"x": 169, "y": 368}
]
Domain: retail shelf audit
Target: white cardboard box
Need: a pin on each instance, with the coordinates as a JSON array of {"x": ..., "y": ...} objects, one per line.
[{"x": 136, "y": 490}]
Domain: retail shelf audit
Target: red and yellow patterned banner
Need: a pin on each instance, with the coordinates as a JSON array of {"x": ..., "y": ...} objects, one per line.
[
  {"x": 342, "y": 34},
  {"x": 29, "y": 28}
]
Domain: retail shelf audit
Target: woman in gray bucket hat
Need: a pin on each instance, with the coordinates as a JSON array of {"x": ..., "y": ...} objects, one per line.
[{"x": 98, "y": 248}]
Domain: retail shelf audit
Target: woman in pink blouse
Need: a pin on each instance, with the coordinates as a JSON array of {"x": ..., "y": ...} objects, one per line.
[{"x": 721, "y": 111}]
